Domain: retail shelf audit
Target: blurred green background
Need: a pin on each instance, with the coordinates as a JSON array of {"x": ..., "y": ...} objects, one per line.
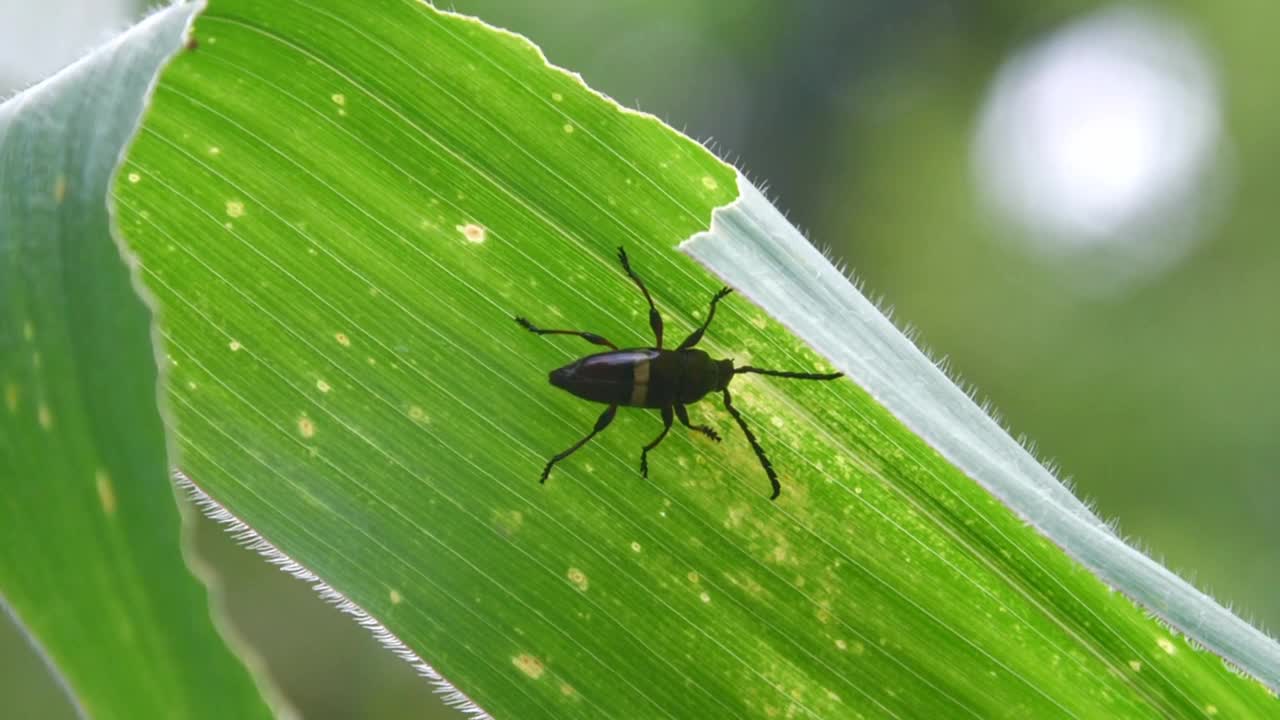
[{"x": 1074, "y": 202}]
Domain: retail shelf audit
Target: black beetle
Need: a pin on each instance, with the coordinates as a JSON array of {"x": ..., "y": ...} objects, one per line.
[{"x": 666, "y": 380}]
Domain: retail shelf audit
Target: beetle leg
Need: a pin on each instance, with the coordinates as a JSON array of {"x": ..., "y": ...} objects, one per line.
[
  {"x": 755, "y": 445},
  {"x": 605, "y": 418},
  {"x": 697, "y": 334},
  {"x": 683, "y": 414},
  {"x": 655, "y": 320},
  {"x": 644, "y": 454},
  {"x": 589, "y": 337}
]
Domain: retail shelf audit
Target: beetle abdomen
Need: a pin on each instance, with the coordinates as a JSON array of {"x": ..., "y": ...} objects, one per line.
[
  {"x": 605, "y": 377},
  {"x": 639, "y": 377}
]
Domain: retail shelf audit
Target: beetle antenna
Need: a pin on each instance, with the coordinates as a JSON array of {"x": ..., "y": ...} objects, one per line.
[
  {"x": 788, "y": 374},
  {"x": 755, "y": 445}
]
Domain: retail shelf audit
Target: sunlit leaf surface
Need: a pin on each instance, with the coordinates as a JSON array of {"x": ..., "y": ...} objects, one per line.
[{"x": 341, "y": 207}]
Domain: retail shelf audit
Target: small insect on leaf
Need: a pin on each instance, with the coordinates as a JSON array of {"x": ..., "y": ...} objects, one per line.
[{"x": 657, "y": 379}]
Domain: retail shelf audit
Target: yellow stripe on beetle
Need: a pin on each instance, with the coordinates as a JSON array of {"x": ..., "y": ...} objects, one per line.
[{"x": 640, "y": 383}]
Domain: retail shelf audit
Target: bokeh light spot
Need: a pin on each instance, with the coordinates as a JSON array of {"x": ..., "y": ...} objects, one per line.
[{"x": 1104, "y": 138}]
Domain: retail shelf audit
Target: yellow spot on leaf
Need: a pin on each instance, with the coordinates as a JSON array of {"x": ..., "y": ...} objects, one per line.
[
  {"x": 1135, "y": 665},
  {"x": 704, "y": 598},
  {"x": 306, "y": 428},
  {"x": 418, "y": 415},
  {"x": 472, "y": 232},
  {"x": 568, "y": 128},
  {"x": 1166, "y": 645},
  {"x": 567, "y": 690},
  {"x": 529, "y": 665},
  {"x": 735, "y": 517},
  {"x": 215, "y": 150},
  {"x": 106, "y": 491},
  {"x": 323, "y": 386},
  {"x": 45, "y": 416},
  {"x": 710, "y": 182},
  {"x": 342, "y": 339},
  {"x": 235, "y": 208},
  {"x": 507, "y": 522},
  {"x": 11, "y": 397},
  {"x": 134, "y": 178},
  {"x": 635, "y": 547},
  {"x": 60, "y": 189},
  {"x": 235, "y": 345},
  {"x": 28, "y": 331},
  {"x": 557, "y": 97},
  {"x": 395, "y": 597},
  {"x": 578, "y": 578},
  {"x": 338, "y": 99}
]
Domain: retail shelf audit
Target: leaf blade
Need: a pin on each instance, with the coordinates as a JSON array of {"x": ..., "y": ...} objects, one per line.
[
  {"x": 89, "y": 530},
  {"x": 339, "y": 280}
]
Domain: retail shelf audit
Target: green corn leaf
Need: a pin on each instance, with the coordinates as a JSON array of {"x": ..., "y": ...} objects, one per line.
[
  {"x": 340, "y": 208},
  {"x": 90, "y": 558}
]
